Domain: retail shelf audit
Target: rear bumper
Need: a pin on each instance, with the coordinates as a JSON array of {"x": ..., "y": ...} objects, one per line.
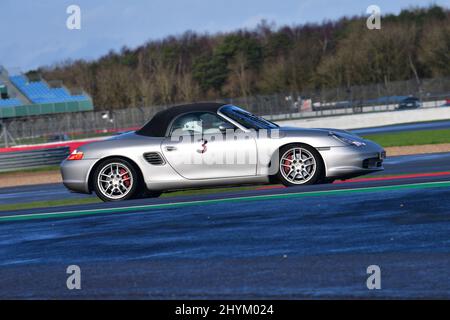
[
  {"x": 348, "y": 162},
  {"x": 75, "y": 175}
]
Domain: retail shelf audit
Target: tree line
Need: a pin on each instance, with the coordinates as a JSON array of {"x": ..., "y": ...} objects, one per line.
[{"x": 414, "y": 44}]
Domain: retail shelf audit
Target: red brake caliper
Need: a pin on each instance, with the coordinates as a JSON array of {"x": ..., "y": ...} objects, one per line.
[
  {"x": 125, "y": 177},
  {"x": 288, "y": 164}
]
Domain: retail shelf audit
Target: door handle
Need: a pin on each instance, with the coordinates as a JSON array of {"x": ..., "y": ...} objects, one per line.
[{"x": 171, "y": 148}]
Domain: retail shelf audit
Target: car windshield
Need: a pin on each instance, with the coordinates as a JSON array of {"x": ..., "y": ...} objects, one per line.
[{"x": 246, "y": 119}]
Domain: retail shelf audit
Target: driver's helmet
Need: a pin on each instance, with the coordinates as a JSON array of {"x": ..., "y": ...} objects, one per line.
[{"x": 192, "y": 124}]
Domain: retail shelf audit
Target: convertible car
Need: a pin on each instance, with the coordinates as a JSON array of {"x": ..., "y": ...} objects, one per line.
[{"x": 212, "y": 144}]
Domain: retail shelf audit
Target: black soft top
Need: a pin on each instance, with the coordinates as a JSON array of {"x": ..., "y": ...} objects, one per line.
[{"x": 157, "y": 126}]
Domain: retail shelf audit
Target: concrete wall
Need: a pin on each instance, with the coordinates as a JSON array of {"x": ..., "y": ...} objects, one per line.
[{"x": 367, "y": 120}]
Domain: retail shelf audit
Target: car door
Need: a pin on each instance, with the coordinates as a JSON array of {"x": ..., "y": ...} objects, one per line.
[{"x": 197, "y": 148}]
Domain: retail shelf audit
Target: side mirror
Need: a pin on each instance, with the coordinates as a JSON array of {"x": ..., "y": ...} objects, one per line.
[{"x": 226, "y": 126}]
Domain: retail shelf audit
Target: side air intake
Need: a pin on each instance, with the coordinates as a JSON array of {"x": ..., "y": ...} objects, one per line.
[{"x": 154, "y": 158}]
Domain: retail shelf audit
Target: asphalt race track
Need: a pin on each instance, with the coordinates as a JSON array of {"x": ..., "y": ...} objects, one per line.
[{"x": 304, "y": 242}]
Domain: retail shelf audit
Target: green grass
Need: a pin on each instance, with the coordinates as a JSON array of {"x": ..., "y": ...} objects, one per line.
[
  {"x": 47, "y": 204},
  {"x": 411, "y": 138},
  {"x": 91, "y": 200}
]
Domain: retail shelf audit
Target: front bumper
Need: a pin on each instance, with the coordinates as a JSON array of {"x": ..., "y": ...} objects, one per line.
[
  {"x": 351, "y": 161},
  {"x": 75, "y": 175}
]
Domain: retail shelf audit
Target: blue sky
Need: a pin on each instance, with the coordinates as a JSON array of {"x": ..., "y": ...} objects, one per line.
[{"x": 34, "y": 32}]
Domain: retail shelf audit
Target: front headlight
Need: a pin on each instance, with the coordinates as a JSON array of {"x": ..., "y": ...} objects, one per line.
[{"x": 348, "y": 140}]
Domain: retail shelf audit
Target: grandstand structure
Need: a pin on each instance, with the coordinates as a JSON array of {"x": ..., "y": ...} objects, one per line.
[{"x": 21, "y": 97}]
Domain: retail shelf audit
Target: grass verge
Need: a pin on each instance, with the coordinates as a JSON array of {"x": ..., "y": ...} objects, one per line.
[
  {"x": 91, "y": 200},
  {"x": 411, "y": 138},
  {"x": 47, "y": 204}
]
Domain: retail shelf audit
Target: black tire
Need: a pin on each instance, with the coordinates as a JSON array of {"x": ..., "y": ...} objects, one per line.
[
  {"x": 136, "y": 180},
  {"x": 151, "y": 194},
  {"x": 314, "y": 178},
  {"x": 274, "y": 179}
]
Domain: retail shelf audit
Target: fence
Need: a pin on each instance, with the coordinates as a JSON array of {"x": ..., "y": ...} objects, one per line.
[
  {"x": 371, "y": 98},
  {"x": 12, "y": 161}
]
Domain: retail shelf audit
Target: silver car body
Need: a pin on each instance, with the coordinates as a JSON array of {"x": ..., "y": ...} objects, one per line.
[{"x": 341, "y": 160}]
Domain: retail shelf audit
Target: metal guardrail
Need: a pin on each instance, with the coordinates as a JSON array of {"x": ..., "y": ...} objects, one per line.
[{"x": 12, "y": 161}]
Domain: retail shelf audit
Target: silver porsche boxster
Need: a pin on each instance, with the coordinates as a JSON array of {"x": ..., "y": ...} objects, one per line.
[{"x": 212, "y": 144}]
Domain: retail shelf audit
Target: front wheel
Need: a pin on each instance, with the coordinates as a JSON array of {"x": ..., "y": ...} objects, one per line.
[
  {"x": 299, "y": 165},
  {"x": 115, "y": 180}
]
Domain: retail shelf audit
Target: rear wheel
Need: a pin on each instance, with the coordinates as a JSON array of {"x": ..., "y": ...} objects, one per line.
[
  {"x": 299, "y": 165},
  {"x": 116, "y": 180}
]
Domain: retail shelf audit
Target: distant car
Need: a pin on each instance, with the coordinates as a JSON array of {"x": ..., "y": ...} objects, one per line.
[
  {"x": 409, "y": 103},
  {"x": 211, "y": 144}
]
